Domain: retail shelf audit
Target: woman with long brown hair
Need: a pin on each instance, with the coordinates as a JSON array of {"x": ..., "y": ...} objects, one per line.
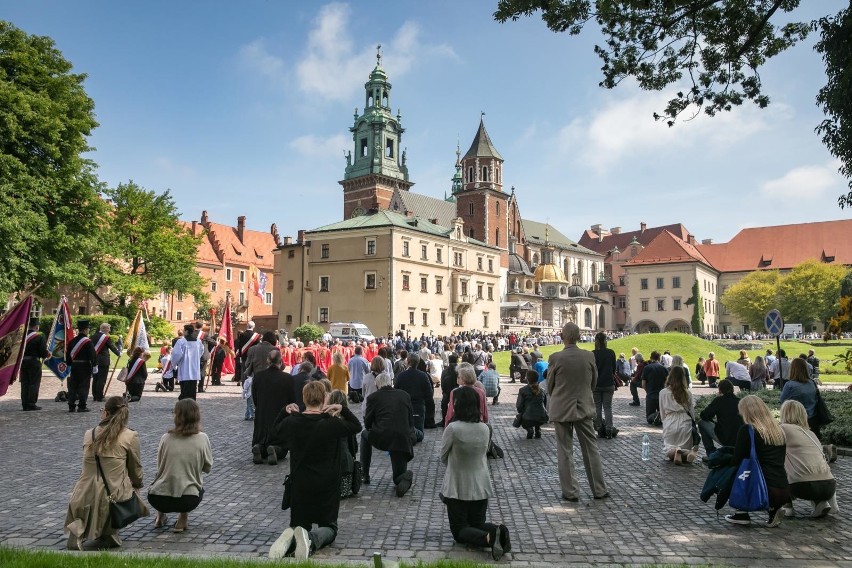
[
  {"x": 116, "y": 447},
  {"x": 183, "y": 456},
  {"x": 676, "y": 410}
]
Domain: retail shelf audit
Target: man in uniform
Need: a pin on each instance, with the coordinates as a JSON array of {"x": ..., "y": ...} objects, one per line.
[
  {"x": 84, "y": 362},
  {"x": 206, "y": 346},
  {"x": 35, "y": 350},
  {"x": 245, "y": 341},
  {"x": 103, "y": 345}
]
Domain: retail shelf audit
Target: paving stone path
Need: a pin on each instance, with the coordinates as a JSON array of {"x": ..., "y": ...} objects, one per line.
[{"x": 653, "y": 516}]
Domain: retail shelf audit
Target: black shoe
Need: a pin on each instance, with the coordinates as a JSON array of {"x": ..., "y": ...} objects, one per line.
[
  {"x": 256, "y": 454},
  {"x": 83, "y": 409},
  {"x": 504, "y": 539},
  {"x": 530, "y": 433},
  {"x": 72, "y": 409},
  {"x": 496, "y": 546},
  {"x": 612, "y": 432},
  {"x": 739, "y": 519},
  {"x": 33, "y": 407},
  {"x": 635, "y": 403},
  {"x": 200, "y": 390},
  {"x": 604, "y": 496},
  {"x": 271, "y": 456},
  {"x": 571, "y": 499},
  {"x": 602, "y": 433},
  {"x": 365, "y": 479},
  {"x": 405, "y": 482},
  {"x": 537, "y": 433},
  {"x": 512, "y": 381}
]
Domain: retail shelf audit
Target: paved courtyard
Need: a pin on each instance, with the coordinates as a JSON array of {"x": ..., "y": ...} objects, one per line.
[{"x": 653, "y": 516}]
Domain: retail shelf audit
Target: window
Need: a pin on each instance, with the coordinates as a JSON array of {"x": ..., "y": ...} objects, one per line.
[
  {"x": 491, "y": 292},
  {"x": 464, "y": 288},
  {"x": 497, "y": 237},
  {"x": 485, "y": 321},
  {"x": 439, "y": 255},
  {"x": 288, "y": 319},
  {"x": 457, "y": 259},
  {"x": 180, "y": 296},
  {"x": 470, "y": 209},
  {"x": 479, "y": 292},
  {"x": 242, "y": 275},
  {"x": 405, "y": 248},
  {"x": 269, "y": 298},
  {"x": 371, "y": 247},
  {"x": 705, "y": 285},
  {"x": 675, "y": 281},
  {"x": 497, "y": 207},
  {"x": 389, "y": 148},
  {"x": 661, "y": 305},
  {"x": 228, "y": 274},
  {"x": 439, "y": 286},
  {"x": 644, "y": 305},
  {"x": 424, "y": 255},
  {"x": 213, "y": 286},
  {"x": 81, "y": 310},
  {"x": 324, "y": 251},
  {"x": 676, "y": 304},
  {"x": 323, "y": 284},
  {"x": 643, "y": 283},
  {"x": 661, "y": 283},
  {"x": 370, "y": 281},
  {"x": 471, "y": 233},
  {"x": 290, "y": 254},
  {"x": 443, "y": 318},
  {"x": 178, "y": 316},
  {"x": 323, "y": 315},
  {"x": 363, "y": 147},
  {"x": 425, "y": 318},
  {"x": 458, "y": 320},
  {"x": 490, "y": 265},
  {"x": 622, "y": 302},
  {"x": 621, "y": 280},
  {"x": 242, "y": 297},
  {"x": 479, "y": 263},
  {"x": 411, "y": 317},
  {"x": 405, "y": 285},
  {"x": 423, "y": 284},
  {"x": 289, "y": 284}
]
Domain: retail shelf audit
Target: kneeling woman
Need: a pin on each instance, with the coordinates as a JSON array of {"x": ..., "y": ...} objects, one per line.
[
  {"x": 313, "y": 437},
  {"x": 809, "y": 474},
  {"x": 467, "y": 482},
  {"x": 184, "y": 455},
  {"x": 676, "y": 410}
]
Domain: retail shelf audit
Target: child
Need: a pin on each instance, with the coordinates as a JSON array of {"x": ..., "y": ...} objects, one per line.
[
  {"x": 247, "y": 395},
  {"x": 168, "y": 382},
  {"x": 531, "y": 405}
]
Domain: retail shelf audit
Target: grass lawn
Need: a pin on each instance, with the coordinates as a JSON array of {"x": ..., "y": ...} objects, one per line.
[{"x": 691, "y": 348}]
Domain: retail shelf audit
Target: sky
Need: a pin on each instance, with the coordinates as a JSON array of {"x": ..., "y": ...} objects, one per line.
[{"x": 244, "y": 108}]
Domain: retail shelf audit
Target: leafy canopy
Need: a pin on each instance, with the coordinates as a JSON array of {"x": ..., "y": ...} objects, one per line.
[
  {"x": 715, "y": 48},
  {"x": 50, "y": 209},
  {"x": 753, "y": 297}
]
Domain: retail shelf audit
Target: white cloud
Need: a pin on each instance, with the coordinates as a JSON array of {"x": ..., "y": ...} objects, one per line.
[
  {"x": 318, "y": 147},
  {"x": 625, "y": 128},
  {"x": 257, "y": 57},
  {"x": 804, "y": 182}
]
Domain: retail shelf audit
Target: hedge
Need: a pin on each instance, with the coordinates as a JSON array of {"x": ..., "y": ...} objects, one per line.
[
  {"x": 839, "y": 403},
  {"x": 119, "y": 324}
]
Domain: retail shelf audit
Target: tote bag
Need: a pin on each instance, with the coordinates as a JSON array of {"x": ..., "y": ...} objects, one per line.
[{"x": 749, "y": 492}]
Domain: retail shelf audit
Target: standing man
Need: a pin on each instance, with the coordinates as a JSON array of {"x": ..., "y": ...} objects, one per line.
[
  {"x": 358, "y": 367},
  {"x": 84, "y": 362},
  {"x": 418, "y": 385},
  {"x": 245, "y": 341},
  {"x": 186, "y": 359},
  {"x": 654, "y": 377},
  {"x": 571, "y": 378},
  {"x": 35, "y": 350},
  {"x": 103, "y": 345},
  {"x": 206, "y": 346}
]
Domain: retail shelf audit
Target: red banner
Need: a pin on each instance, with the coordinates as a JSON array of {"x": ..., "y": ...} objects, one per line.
[{"x": 226, "y": 330}]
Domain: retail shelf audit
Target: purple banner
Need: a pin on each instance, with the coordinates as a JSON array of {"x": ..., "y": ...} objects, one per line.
[{"x": 13, "y": 327}]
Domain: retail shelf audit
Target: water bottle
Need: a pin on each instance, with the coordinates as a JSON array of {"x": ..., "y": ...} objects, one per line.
[{"x": 646, "y": 448}]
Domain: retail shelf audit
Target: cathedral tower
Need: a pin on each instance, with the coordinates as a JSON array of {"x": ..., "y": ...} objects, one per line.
[
  {"x": 378, "y": 166},
  {"x": 480, "y": 199}
]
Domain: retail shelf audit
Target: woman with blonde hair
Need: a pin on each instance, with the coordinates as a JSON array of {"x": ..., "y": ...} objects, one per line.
[
  {"x": 744, "y": 359},
  {"x": 676, "y": 408},
  {"x": 338, "y": 373},
  {"x": 183, "y": 457},
  {"x": 677, "y": 361},
  {"x": 113, "y": 448},
  {"x": 770, "y": 447},
  {"x": 808, "y": 473}
]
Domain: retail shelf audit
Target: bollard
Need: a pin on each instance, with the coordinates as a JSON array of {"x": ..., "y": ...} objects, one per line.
[{"x": 377, "y": 560}]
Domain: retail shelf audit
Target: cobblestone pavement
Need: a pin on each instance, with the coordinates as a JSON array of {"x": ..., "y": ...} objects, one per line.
[{"x": 654, "y": 514}]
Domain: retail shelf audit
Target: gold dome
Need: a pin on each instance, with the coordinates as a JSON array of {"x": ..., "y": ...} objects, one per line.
[{"x": 549, "y": 273}]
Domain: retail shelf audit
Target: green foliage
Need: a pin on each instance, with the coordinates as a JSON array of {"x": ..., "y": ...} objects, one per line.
[
  {"x": 146, "y": 250},
  {"x": 753, "y": 296},
  {"x": 308, "y": 332},
  {"x": 811, "y": 292},
  {"x": 716, "y": 48},
  {"x": 50, "y": 210},
  {"x": 159, "y": 328},
  {"x": 118, "y": 324},
  {"x": 839, "y": 403}
]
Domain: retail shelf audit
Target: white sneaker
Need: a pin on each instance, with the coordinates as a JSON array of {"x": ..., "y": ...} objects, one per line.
[
  {"x": 280, "y": 547},
  {"x": 303, "y": 544},
  {"x": 821, "y": 509}
]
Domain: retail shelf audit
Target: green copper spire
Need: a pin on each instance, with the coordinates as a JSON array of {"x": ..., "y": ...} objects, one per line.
[
  {"x": 377, "y": 133},
  {"x": 457, "y": 179}
]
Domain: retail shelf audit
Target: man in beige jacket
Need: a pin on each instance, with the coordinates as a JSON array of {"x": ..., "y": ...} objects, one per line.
[{"x": 571, "y": 378}]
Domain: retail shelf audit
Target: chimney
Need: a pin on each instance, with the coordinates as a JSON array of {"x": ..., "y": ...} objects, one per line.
[
  {"x": 642, "y": 227},
  {"x": 194, "y": 225},
  {"x": 241, "y": 227},
  {"x": 204, "y": 220},
  {"x": 707, "y": 241},
  {"x": 288, "y": 240},
  {"x": 615, "y": 230},
  {"x": 301, "y": 237},
  {"x": 691, "y": 239},
  {"x": 596, "y": 229}
]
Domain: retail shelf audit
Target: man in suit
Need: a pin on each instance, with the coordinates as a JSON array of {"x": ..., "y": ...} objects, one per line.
[
  {"x": 103, "y": 345},
  {"x": 245, "y": 341},
  {"x": 419, "y": 387},
  {"x": 81, "y": 355},
  {"x": 389, "y": 427},
  {"x": 571, "y": 378},
  {"x": 257, "y": 357},
  {"x": 35, "y": 350}
]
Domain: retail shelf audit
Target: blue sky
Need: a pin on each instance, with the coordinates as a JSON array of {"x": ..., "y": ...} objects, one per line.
[{"x": 244, "y": 109}]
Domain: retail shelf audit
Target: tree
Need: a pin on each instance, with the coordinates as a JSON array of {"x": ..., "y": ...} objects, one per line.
[
  {"x": 308, "y": 332},
  {"x": 842, "y": 321},
  {"x": 753, "y": 296},
  {"x": 50, "y": 209},
  {"x": 811, "y": 292},
  {"x": 716, "y": 47},
  {"x": 697, "y": 321},
  {"x": 146, "y": 250}
]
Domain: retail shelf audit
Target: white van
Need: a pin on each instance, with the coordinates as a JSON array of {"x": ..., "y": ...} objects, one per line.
[{"x": 350, "y": 331}]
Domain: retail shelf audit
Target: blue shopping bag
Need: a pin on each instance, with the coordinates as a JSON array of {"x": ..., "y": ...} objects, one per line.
[{"x": 749, "y": 492}]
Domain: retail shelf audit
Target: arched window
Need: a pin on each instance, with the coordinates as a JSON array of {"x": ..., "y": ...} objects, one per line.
[
  {"x": 497, "y": 207},
  {"x": 470, "y": 209},
  {"x": 580, "y": 272},
  {"x": 535, "y": 258},
  {"x": 594, "y": 273},
  {"x": 497, "y": 237},
  {"x": 602, "y": 318},
  {"x": 566, "y": 267},
  {"x": 470, "y": 174},
  {"x": 484, "y": 173},
  {"x": 497, "y": 175},
  {"x": 384, "y": 99},
  {"x": 588, "y": 318}
]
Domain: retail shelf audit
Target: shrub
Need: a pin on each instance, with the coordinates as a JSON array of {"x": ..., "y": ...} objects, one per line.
[
  {"x": 119, "y": 324},
  {"x": 839, "y": 403},
  {"x": 308, "y": 332},
  {"x": 159, "y": 328}
]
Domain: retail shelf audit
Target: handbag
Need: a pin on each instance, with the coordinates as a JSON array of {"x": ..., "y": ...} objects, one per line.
[
  {"x": 517, "y": 421},
  {"x": 696, "y": 435},
  {"x": 822, "y": 413},
  {"x": 616, "y": 380},
  {"x": 121, "y": 513},
  {"x": 749, "y": 492}
]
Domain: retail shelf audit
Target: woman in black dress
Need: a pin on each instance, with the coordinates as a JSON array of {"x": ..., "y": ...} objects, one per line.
[{"x": 313, "y": 437}]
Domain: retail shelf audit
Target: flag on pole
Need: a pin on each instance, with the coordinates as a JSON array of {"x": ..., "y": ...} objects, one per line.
[
  {"x": 226, "y": 331},
  {"x": 60, "y": 333},
  {"x": 13, "y": 328},
  {"x": 257, "y": 281},
  {"x": 138, "y": 334},
  {"x": 261, "y": 288}
]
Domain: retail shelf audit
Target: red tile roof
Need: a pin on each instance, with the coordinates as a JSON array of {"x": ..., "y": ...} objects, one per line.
[
  {"x": 783, "y": 246},
  {"x": 668, "y": 249},
  {"x": 590, "y": 239},
  {"x": 256, "y": 247},
  {"x": 205, "y": 252}
]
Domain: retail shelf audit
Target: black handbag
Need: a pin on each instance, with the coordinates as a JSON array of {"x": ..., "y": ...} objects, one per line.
[
  {"x": 121, "y": 513},
  {"x": 822, "y": 413},
  {"x": 287, "y": 498}
]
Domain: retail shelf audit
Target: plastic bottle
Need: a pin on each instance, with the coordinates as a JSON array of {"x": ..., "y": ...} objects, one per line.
[{"x": 646, "y": 448}]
